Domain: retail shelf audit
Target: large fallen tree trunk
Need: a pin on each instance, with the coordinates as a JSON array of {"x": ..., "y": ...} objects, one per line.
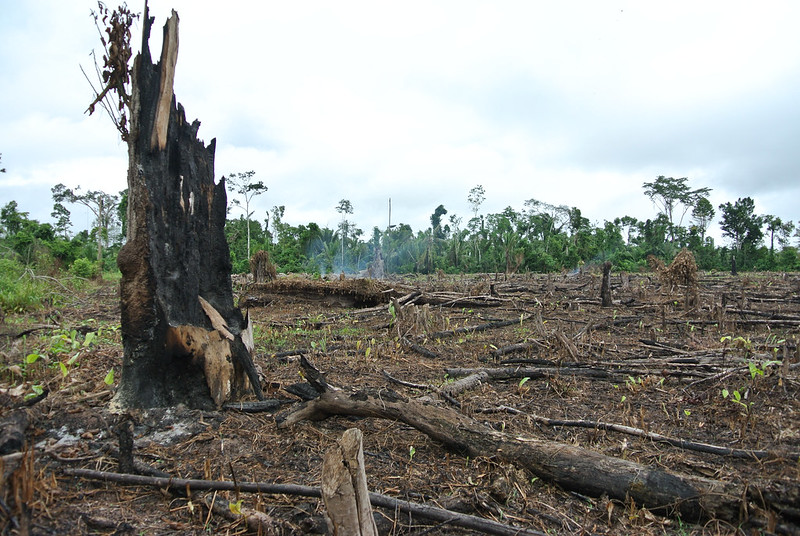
[
  {"x": 568, "y": 466},
  {"x": 184, "y": 340}
]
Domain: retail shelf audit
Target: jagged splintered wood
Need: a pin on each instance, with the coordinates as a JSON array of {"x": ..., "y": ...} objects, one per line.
[
  {"x": 184, "y": 340},
  {"x": 344, "y": 488}
]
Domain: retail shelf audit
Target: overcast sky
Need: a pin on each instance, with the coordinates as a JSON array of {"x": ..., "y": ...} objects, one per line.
[{"x": 575, "y": 103}]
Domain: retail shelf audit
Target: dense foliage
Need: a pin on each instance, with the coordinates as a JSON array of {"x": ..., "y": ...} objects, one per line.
[{"x": 539, "y": 237}]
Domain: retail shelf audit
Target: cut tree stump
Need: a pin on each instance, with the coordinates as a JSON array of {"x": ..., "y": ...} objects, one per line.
[
  {"x": 184, "y": 340},
  {"x": 344, "y": 488},
  {"x": 605, "y": 287}
]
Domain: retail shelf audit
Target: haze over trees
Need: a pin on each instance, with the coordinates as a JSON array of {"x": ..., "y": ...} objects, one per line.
[{"x": 536, "y": 237}]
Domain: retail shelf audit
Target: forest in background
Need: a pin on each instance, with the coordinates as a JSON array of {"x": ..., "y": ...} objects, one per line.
[{"x": 538, "y": 237}]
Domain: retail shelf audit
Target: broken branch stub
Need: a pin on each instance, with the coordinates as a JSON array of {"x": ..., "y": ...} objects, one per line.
[{"x": 182, "y": 335}]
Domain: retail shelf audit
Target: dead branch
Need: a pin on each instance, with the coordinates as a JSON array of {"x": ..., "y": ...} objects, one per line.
[
  {"x": 534, "y": 373},
  {"x": 465, "y": 383},
  {"x": 684, "y": 444},
  {"x": 514, "y": 348},
  {"x": 421, "y": 350},
  {"x": 477, "y": 328},
  {"x": 447, "y": 395},
  {"x": 456, "y": 519}
]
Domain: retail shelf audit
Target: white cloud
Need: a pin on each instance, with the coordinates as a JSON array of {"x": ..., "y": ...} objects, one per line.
[{"x": 570, "y": 103}]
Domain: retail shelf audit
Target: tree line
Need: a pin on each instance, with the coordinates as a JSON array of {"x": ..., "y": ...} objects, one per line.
[{"x": 538, "y": 237}]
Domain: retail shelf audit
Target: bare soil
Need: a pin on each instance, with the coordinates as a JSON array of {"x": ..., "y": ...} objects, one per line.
[{"x": 721, "y": 370}]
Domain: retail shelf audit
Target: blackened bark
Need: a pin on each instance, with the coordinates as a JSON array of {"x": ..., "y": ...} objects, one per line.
[
  {"x": 605, "y": 287},
  {"x": 175, "y": 254}
]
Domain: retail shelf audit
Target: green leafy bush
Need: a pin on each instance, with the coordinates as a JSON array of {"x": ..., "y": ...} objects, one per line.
[{"x": 83, "y": 268}]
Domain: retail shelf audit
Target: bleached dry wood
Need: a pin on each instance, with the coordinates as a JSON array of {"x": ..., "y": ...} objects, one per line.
[
  {"x": 344, "y": 488},
  {"x": 169, "y": 58}
]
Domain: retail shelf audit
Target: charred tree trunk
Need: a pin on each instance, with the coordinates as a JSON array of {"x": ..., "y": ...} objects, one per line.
[
  {"x": 262, "y": 268},
  {"x": 605, "y": 287},
  {"x": 184, "y": 340}
]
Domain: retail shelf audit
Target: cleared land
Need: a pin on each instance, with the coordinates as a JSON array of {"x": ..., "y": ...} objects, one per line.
[{"x": 554, "y": 365}]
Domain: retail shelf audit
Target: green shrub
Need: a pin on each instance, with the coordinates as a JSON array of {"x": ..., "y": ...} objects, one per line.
[
  {"x": 20, "y": 290},
  {"x": 83, "y": 268}
]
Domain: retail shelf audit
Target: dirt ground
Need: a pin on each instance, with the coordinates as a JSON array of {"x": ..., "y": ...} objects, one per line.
[{"x": 723, "y": 370}]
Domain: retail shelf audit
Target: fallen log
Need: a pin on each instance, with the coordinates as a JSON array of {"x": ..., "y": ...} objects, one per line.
[
  {"x": 448, "y": 300},
  {"x": 571, "y": 467}
]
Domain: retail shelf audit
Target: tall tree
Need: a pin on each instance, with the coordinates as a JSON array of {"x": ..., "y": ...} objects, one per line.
[
  {"x": 702, "y": 214},
  {"x": 741, "y": 224},
  {"x": 279, "y": 228},
  {"x": 439, "y": 232},
  {"x": 244, "y": 185},
  {"x": 785, "y": 232},
  {"x": 627, "y": 224},
  {"x": 344, "y": 208},
  {"x": 670, "y": 194},
  {"x": 774, "y": 224},
  {"x": 12, "y": 219},
  {"x": 62, "y": 218},
  {"x": 102, "y": 205},
  {"x": 476, "y": 197}
]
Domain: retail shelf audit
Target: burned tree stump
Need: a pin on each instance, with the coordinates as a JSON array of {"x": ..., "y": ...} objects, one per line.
[
  {"x": 262, "y": 268},
  {"x": 605, "y": 287},
  {"x": 184, "y": 340}
]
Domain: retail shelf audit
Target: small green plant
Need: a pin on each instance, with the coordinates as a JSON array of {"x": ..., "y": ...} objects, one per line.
[
  {"x": 736, "y": 397},
  {"x": 236, "y": 507},
  {"x": 411, "y": 452},
  {"x": 37, "y": 390},
  {"x": 521, "y": 388},
  {"x": 109, "y": 379},
  {"x": 322, "y": 345},
  {"x": 66, "y": 367},
  {"x": 32, "y": 358}
]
